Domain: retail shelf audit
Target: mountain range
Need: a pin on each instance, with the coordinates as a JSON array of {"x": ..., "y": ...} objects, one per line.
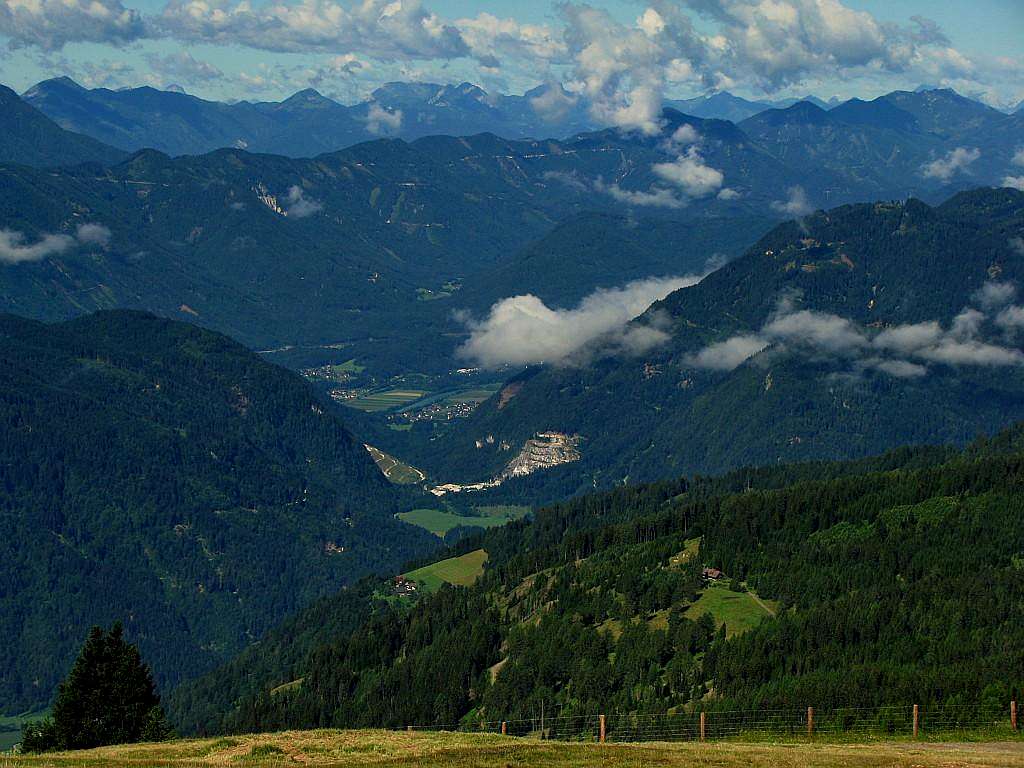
[
  {"x": 854, "y": 330},
  {"x": 308, "y": 123},
  {"x": 367, "y": 229},
  {"x": 305, "y": 124}
]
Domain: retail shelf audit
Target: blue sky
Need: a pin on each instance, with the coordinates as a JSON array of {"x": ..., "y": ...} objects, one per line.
[{"x": 623, "y": 56}]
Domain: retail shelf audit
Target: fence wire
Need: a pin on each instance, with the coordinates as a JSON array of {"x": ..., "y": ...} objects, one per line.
[{"x": 932, "y": 721}]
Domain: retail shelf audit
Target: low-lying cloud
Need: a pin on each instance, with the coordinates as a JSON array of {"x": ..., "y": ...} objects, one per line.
[
  {"x": 521, "y": 330},
  {"x": 298, "y": 206},
  {"x": 14, "y": 248},
  {"x": 689, "y": 172},
  {"x": 796, "y": 203},
  {"x": 902, "y": 351},
  {"x": 382, "y": 121},
  {"x": 955, "y": 161}
]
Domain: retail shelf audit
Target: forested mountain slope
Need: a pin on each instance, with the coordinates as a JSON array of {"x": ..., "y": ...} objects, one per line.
[
  {"x": 599, "y": 605},
  {"x": 163, "y": 475},
  {"x": 338, "y": 248},
  {"x": 843, "y": 334},
  {"x": 29, "y": 137}
]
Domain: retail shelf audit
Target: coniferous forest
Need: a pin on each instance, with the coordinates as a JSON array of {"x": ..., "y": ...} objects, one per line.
[{"x": 892, "y": 580}]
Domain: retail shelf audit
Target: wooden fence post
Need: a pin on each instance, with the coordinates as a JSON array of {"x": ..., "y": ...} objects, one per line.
[
  {"x": 1013, "y": 714},
  {"x": 703, "y": 725},
  {"x": 917, "y": 719},
  {"x": 600, "y": 729},
  {"x": 810, "y": 721},
  {"x": 408, "y": 728},
  {"x": 504, "y": 728}
]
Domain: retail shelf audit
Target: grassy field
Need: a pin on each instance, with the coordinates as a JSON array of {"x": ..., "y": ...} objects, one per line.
[
  {"x": 439, "y": 521},
  {"x": 10, "y": 728},
  {"x": 739, "y": 611},
  {"x": 446, "y": 750},
  {"x": 398, "y": 472},
  {"x": 461, "y": 571},
  {"x": 386, "y": 399}
]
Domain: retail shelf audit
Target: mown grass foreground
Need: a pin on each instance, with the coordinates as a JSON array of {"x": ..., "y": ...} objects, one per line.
[{"x": 434, "y": 750}]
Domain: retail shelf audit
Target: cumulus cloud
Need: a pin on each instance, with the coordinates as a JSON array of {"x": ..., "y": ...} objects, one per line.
[
  {"x": 955, "y": 161},
  {"x": 298, "y": 206},
  {"x": 388, "y": 30},
  {"x": 656, "y": 197},
  {"x": 1014, "y": 182},
  {"x": 796, "y": 203},
  {"x": 994, "y": 294},
  {"x": 691, "y": 174},
  {"x": 553, "y": 104},
  {"x": 381, "y": 120},
  {"x": 52, "y": 24},
  {"x": 522, "y": 329},
  {"x": 903, "y": 351},
  {"x": 14, "y": 249},
  {"x": 93, "y": 234},
  {"x": 182, "y": 67},
  {"x": 728, "y": 354}
]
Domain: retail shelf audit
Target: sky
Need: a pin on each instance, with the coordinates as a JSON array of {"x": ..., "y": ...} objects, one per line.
[{"x": 622, "y": 56}]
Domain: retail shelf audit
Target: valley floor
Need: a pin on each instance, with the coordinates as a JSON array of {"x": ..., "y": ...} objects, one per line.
[{"x": 437, "y": 750}]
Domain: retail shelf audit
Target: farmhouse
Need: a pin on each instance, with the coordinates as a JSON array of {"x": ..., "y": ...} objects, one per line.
[
  {"x": 404, "y": 586},
  {"x": 711, "y": 574}
]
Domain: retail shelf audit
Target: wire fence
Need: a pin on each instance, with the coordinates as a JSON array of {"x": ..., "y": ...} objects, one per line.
[{"x": 909, "y": 721}]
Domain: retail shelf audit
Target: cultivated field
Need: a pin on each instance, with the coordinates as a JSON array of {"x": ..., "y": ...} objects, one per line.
[
  {"x": 386, "y": 399},
  {"x": 439, "y": 521},
  {"x": 444, "y": 750},
  {"x": 462, "y": 571}
]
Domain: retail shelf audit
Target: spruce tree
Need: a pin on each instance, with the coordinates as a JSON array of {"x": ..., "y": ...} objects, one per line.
[{"x": 107, "y": 698}]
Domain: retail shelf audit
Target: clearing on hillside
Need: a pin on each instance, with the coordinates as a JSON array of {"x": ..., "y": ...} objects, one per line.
[
  {"x": 439, "y": 521},
  {"x": 396, "y": 471},
  {"x": 445, "y": 750},
  {"x": 739, "y": 611},
  {"x": 461, "y": 571}
]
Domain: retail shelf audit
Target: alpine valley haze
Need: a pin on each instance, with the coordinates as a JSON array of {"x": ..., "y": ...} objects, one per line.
[{"x": 434, "y": 382}]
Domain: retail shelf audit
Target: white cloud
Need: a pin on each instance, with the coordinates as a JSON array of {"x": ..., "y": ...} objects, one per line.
[
  {"x": 182, "y": 67},
  {"x": 1018, "y": 158},
  {"x": 728, "y": 354},
  {"x": 900, "y": 369},
  {"x": 93, "y": 234},
  {"x": 685, "y": 135},
  {"x": 52, "y": 24},
  {"x": 824, "y": 334},
  {"x": 656, "y": 197},
  {"x": 298, "y": 206},
  {"x": 955, "y": 161},
  {"x": 796, "y": 204},
  {"x": 1013, "y": 182},
  {"x": 14, "y": 249},
  {"x": 380, "y": 120},
  {"x": 388, "y": 30},
  {"x": 523, "y": 329},
  {"x": 994, "y": 294},
  {"x": 689, "y": 173},
  {"x": 554, "y": 104}
]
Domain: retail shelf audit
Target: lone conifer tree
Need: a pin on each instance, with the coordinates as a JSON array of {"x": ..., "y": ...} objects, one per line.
[{"x": 108, "y": 698}]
